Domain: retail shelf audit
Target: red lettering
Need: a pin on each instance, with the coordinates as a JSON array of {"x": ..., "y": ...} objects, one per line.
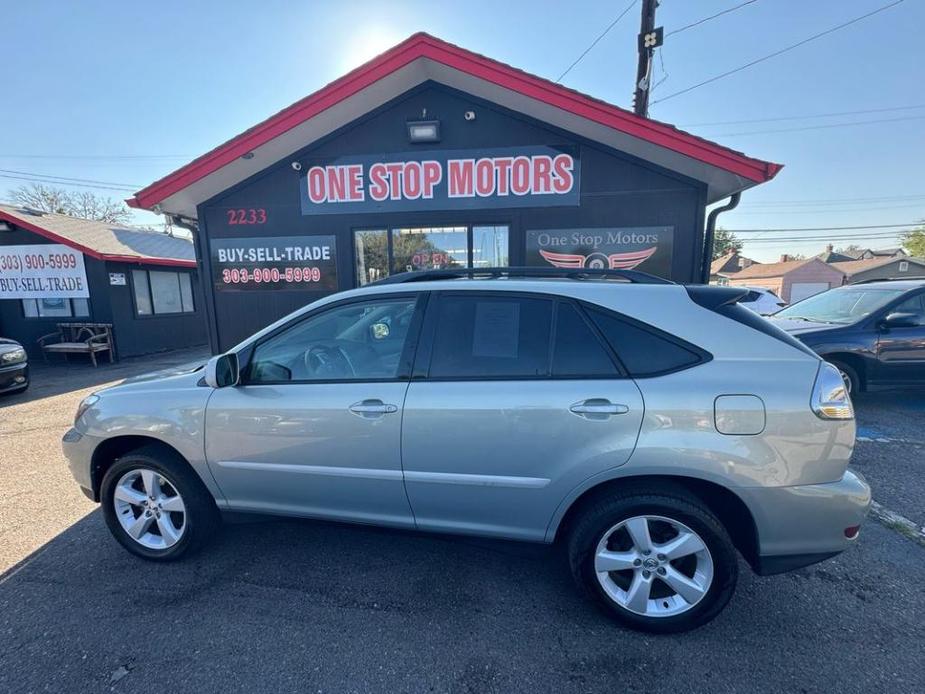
[
  {"x": 411, "y": 180},
  {"x": 563, "y": 179},
  {"x": 378, "y": 187},
  {"x": 484, "y": 177},
  {"x": 460, "y": 178},
  {"x": 316, "y": 187},
  {"x": 394, "y": 174},
  {"x": 355, "y": 181},
  {"x": 503, "y": 165},
  {"x": 433, "y": 174},
  {"x": 520, "y": 176},
  {"x": 542, "y": 175},
  {"x": 337, "y": 183}
]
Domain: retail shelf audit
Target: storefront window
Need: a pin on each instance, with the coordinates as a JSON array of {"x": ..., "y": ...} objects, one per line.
[
  {"x": 160, "y": 292},
  {"x": 372, "y": 255},
  {"x": 489, "y": 246},
  {"x": 427, "y": 248},
  {"x": 55, "y": 308}
]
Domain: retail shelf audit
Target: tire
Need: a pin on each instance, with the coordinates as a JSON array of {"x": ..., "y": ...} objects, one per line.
[
  {"x": 180, "y": 532},
  {"x": 606, "y": 523},
  {"x": 850, "y": 375}
]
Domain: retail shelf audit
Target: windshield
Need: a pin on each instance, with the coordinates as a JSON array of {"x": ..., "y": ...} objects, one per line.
[{"x": 842, "y": 305}]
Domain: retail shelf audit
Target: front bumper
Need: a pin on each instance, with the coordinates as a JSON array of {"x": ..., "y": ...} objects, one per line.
[
  {"x": 14, "y": 377},
  {"x": 805, "y": 524},
  {"x": 78, "y": 449}
]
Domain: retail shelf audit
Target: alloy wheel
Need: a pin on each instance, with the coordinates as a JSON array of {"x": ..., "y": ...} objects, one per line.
[
  {"x": 653, "y": 566},
  {"x": 149, "y": 508}
]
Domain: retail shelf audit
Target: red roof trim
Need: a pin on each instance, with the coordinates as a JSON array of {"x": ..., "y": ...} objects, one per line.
[
  {"x": 51, "y": 236},
  {"x": 423, "y": 45}
]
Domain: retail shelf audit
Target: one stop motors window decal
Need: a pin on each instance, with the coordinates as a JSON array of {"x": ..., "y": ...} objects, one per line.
[
  {"x": 648, "y": 249},
  {"x": 539, "y": 176},
  {"x": 299, "y": 263}
]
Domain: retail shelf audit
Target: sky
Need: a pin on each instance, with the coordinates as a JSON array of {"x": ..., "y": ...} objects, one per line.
[{"x": 124, "y": 92}]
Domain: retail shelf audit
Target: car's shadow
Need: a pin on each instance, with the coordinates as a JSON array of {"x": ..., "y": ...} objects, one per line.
[{"x": 304, "y": 606}]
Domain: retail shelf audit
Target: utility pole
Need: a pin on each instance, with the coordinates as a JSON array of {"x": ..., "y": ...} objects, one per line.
[{"x": 650, "y": 38}]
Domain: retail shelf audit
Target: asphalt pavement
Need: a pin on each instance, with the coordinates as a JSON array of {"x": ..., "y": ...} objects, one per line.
[{"x": 299, "y": 606}]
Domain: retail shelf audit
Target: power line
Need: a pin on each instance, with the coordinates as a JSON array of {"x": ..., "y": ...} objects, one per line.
[
  {"x": 825, "y": 126},
  {"x": 817, "y": 239},
  {"x": 779, "y": 52},
  {"x": 804, "y": 117},
  {"x": 867, "y": 226},
  {"x": 80, "y": 185},
  {"x": 96, "y": 156},
  {"x": 835, "y": 210},
  {"x": 68, "y": 178},
  {"x": 813, "y": 201},
  {"x": 707, "y": 19},
  {"x": 595, "y": 41}
]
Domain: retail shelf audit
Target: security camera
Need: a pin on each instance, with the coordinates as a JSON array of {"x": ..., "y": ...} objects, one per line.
[
  {"x": 296, "y": 166},
  {"x": 469, "y": 115}
]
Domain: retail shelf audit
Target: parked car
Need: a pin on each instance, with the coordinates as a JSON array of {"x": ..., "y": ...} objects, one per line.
[
  {"x": 14, "y": 367},
  {"x": 762, "y": 301},
  {"x": 873, "y": 332},
  {"x": 656, "y": 429}
]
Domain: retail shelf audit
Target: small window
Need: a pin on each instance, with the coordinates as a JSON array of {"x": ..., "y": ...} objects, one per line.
[
  {"x": 904, "y": 266},
  {"x": 643, "y": 351},
  {"x": 577, "y": 351},
  {"x": 55, "y": 308},
  {"x": 491, "y": 337},
  {"x": 356, "y": 342},
  {"x": 159, "y": 292}
]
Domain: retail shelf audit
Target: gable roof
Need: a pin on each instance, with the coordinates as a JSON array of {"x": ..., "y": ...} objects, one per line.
[
  {"x": 775, "y": 269},
  {"x": 104, "y": 241},
  {"x": 834, "y": 257},
  {"x": 422, "y": 58},
  {"x": 853, "y": 267}
]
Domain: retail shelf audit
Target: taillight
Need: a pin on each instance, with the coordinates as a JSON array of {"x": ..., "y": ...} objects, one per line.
[{"x": 830, "y": 398}]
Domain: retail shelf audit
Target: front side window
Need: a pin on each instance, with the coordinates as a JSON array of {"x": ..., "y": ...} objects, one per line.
[
  {"x": 491, "y": 337},
  {"x": 159, "y": 292},
  {"x": 914, "y": 305},
  {"x": 356, "y": 342}
]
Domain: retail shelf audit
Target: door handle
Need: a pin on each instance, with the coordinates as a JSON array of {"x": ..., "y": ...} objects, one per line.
[
  {"x": 598, "y": 406},
  {"x": 372, "y": 408}
]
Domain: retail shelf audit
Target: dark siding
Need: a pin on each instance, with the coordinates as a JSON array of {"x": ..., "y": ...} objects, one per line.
[
  {"x": 888, "y": 271},
  {"x": 616, "y": 191},
  {"x": 134, "y": 336}
]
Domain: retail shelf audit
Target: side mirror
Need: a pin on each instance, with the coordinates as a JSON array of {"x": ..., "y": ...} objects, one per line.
[
  {"x": 902, "y": 319},
  {"x": 222, "y": 371}
]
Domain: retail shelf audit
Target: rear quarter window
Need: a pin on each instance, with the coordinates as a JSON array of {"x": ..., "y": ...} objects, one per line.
[{"x": 644, "y": 350}]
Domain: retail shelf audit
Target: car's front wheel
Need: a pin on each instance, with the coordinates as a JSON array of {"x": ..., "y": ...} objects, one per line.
[
  {"x": 156, "y": 506},
  {"x": 656, "y": 561}
]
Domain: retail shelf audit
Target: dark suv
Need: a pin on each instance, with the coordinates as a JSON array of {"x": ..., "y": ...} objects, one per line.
[{"x": 874, "y": 332}]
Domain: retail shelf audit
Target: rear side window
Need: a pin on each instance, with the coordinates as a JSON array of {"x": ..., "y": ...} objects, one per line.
[
  {"x": 491, "y": 337},
  {"x": 577, "y": 351},
  {"x": 644, "y": 351}
]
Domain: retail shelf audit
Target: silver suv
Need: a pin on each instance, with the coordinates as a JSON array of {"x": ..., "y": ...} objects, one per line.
[{"x": 657, "y": 430}]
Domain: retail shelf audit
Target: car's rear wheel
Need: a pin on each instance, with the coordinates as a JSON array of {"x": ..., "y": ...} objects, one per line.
[
  {"x": 849, "y": 375},
  {"x": 656, "y": 561},
  {"x": 156, "y": 506}
]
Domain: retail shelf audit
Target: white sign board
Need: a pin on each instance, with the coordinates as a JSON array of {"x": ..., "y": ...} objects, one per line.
[
  {"x": 42, "y": 271},
  {"x": 117, "y": 278}
]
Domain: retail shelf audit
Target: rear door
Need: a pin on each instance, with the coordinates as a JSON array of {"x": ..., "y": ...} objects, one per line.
[{"x": 514, "y": 401}]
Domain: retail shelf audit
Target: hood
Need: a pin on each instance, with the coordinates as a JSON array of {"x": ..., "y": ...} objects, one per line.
[
  {"x": 174, "y": 376},
  {"x": 7, "y": 342},
  {"x": 801, "y": 327}
]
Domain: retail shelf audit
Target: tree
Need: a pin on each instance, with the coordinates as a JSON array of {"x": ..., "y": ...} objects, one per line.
[
  {"x": 850, "y": 248},
  {"x": 725, "y": 242},
  {"x": 914, "y": 241},
  {"x": 85, "y": 205}
]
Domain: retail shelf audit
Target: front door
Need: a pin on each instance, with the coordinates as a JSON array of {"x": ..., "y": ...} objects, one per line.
[
  {"x": 515, "y": 401},
  {"x": 314, "y": 428},
  {"x": 901, "y": 350}
]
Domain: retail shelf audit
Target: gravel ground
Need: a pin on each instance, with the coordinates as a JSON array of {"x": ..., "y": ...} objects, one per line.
[{"x": 313, "y": 607}]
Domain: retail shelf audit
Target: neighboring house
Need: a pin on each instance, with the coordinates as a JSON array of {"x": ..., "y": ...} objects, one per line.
[
  {"x": 831, "y": 256},
  {"x": 882, "y": 268},
  {"x": 791, "y": 280},
  {"x": 55, "y": 268},
  {"x": 870, "y": 254},
  {"x": 727, "y": 265}
]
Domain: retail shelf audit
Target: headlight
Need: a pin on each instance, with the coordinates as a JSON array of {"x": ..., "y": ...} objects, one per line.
[
  {"x": 14, "y": 356},
  {"x": 85, "y": 405},
  {"x": 830, "y": 398}
]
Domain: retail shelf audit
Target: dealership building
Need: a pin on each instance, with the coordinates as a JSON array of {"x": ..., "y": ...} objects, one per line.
[
  {"x": 57, "y": 269},
  {"x": 431, "y": 156}
]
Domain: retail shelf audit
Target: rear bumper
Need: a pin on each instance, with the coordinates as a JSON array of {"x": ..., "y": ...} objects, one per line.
[
  {"x": 805, "y": 524},
  {"x": 14, "y": 377}
]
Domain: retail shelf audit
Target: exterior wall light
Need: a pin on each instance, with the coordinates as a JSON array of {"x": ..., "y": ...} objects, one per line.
[{"x": 424, "y": 131}]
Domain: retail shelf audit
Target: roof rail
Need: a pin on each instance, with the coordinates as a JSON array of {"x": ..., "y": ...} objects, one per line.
[{"x": 632, "y": 276}]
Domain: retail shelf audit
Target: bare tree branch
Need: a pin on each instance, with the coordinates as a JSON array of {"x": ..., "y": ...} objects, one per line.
[{"x": 85, "y": 205}]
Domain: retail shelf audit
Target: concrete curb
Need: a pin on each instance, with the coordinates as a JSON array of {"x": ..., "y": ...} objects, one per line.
[{"x": 896, "y": 522}]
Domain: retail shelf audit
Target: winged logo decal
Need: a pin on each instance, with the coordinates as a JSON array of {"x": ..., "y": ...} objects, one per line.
[{"x": 597, "y": 260}]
